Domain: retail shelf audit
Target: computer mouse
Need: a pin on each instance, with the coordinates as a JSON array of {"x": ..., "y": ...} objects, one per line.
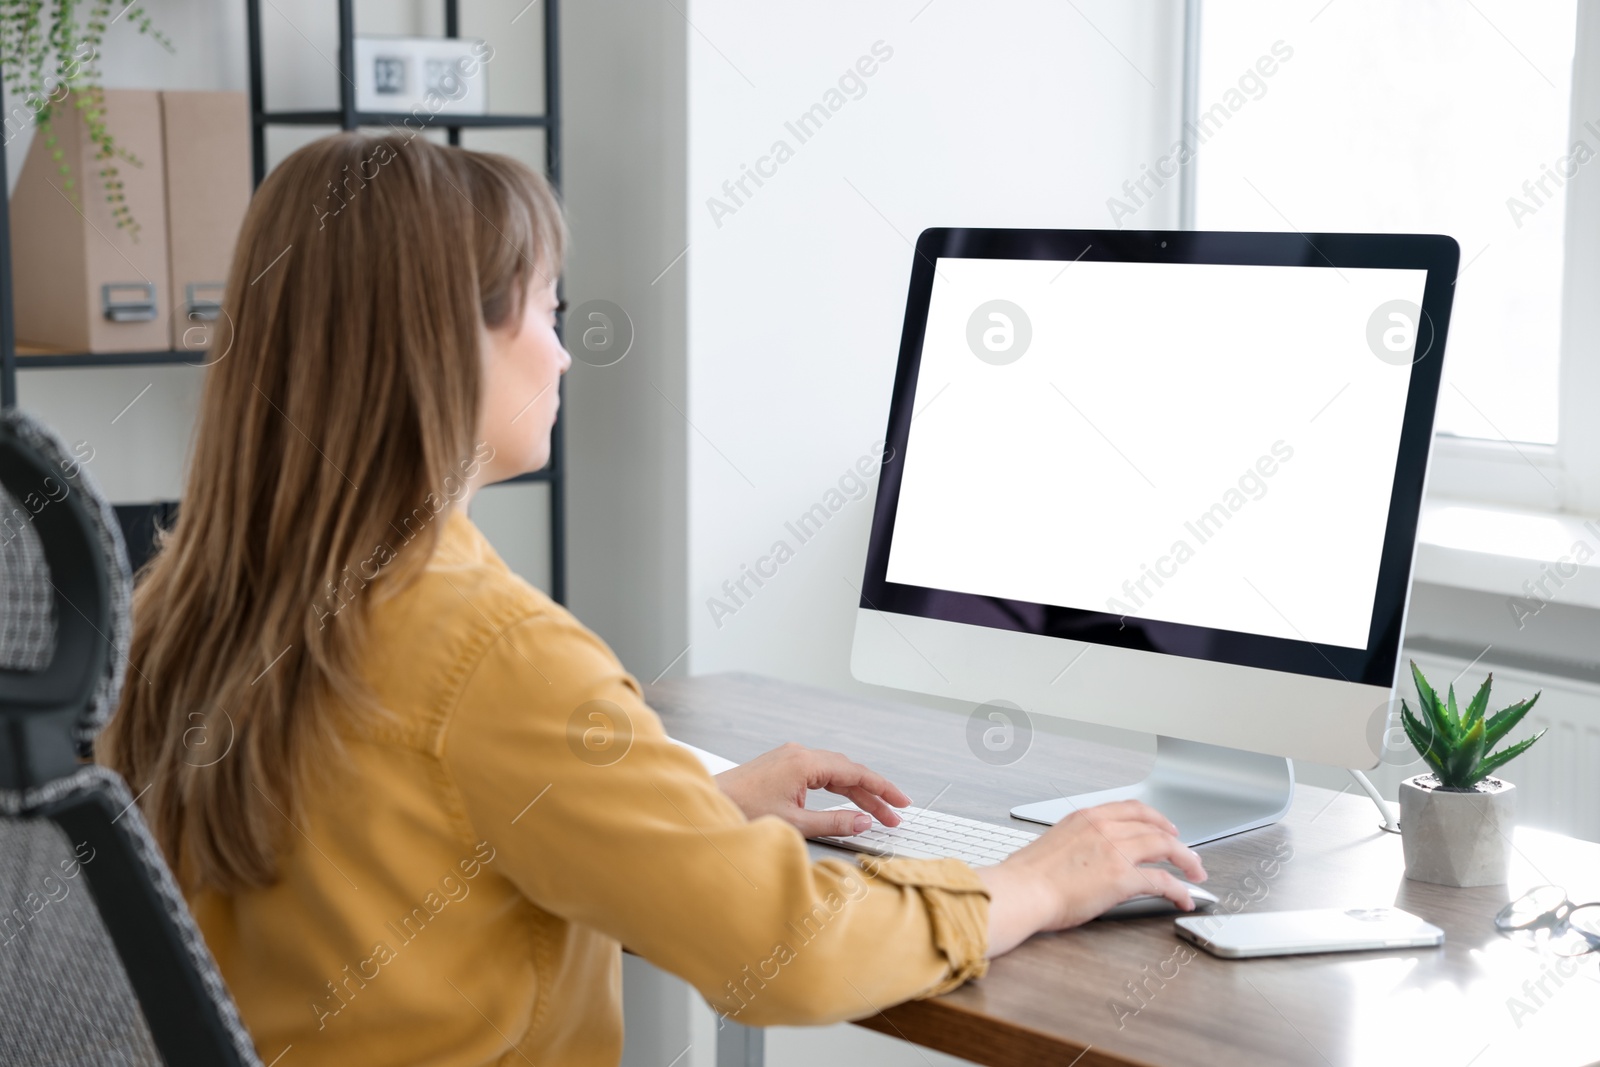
[{"x": 1140, "y": 907}]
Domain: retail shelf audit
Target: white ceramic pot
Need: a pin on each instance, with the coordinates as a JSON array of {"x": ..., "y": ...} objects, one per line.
[{"x": 1459, "y": 839}]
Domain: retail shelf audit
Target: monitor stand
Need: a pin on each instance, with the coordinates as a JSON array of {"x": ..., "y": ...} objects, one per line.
[{"x": 1208, "y": 791}]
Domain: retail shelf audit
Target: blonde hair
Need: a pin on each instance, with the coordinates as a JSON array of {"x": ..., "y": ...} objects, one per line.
[{"x": 346, "y": 393}]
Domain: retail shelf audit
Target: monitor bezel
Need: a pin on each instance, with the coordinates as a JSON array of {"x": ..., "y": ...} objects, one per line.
[{"x": 1375, "y": 664}]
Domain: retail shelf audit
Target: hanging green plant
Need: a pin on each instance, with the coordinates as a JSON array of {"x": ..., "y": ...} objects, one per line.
[{"x": 50, "y": 54}]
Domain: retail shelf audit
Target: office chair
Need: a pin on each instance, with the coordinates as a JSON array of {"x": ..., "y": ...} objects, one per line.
[{"x": 100, "y": 961}]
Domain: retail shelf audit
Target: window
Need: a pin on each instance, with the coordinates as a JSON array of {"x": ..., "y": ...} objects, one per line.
[{"x": 1442, "y": 116}]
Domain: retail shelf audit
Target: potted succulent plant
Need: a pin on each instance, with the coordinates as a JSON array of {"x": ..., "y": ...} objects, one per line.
[{"x": 1456, "y": 820}]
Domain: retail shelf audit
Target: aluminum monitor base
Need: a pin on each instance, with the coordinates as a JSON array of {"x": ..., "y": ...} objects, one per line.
[{"x": 1208, "y": 791}]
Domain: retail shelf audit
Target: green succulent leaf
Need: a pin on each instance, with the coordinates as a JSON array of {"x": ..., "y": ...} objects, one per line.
[
  {"x": 1425, "y": 694},
  {"x": 1505, "y": 720},
  {"x": 1463, "y": 759},
  {"x": 1422, "y": 739},
  {"x": 1479, "y": 703},
  {"x": 1504, "y": 756},
  {"x": 1444, "y": 726}
]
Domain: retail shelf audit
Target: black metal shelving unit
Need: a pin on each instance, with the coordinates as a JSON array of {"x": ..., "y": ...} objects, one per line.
[
  {"x": 112, "y": 359},
  {"x": 347, "y": 117}
]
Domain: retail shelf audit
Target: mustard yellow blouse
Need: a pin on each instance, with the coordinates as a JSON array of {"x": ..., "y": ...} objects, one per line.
[{"x": 459, "y": 891}]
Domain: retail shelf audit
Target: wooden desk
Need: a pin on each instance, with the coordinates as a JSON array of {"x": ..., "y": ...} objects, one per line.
[{"x": 1130, "y": 992}]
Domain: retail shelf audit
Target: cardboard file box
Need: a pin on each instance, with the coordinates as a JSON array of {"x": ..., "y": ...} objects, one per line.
[
  {"x": 81, "y": 284},
  {"x": 207, "y": 139}
]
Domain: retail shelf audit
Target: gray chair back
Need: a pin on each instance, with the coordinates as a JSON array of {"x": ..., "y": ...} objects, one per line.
[{"x": 100, "y": 960}]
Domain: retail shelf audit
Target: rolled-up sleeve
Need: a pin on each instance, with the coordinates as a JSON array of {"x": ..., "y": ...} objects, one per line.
[{"x": 599, "y": 819}]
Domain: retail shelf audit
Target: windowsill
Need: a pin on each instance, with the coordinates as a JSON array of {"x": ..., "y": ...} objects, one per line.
[{"x": 1497, "y": 550}]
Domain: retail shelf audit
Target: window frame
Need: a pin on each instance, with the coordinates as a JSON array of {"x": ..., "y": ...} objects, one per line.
[{"x": 1565, "y": 476}]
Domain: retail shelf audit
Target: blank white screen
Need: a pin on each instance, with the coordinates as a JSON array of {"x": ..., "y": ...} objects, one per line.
[{"x": 1202, "y": 444}]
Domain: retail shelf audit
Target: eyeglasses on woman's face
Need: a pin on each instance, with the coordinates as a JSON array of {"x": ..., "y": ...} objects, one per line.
[{"x": 1546, "y": 915}]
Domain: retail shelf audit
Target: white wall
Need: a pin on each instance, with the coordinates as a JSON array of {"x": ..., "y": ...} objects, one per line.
[{"x": 1016, "y": 114}]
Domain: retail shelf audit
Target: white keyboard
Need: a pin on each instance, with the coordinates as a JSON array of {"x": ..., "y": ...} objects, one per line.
[{"x": 928, "y": 835}]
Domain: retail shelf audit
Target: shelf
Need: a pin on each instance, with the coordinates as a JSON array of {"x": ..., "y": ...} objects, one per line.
[
  {"x": 390, "y": 118},
  {"x": 47, "y": 361}
]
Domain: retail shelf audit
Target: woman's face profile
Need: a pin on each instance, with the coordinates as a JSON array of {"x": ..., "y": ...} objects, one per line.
[{"x": 523, "y": 364}]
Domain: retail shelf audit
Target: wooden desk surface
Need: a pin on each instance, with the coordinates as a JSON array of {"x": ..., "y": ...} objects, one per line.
[{"x": 1130, "y": 992}]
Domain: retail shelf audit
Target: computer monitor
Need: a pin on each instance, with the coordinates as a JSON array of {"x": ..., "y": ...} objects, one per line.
[{"x": 1161, "y": 480}]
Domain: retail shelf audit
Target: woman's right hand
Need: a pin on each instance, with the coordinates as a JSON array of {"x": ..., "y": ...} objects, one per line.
[{"x": 1088, "y": 862}]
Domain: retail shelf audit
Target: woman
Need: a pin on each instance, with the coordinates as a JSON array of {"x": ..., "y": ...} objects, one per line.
[{"x": 370, "y": 751}]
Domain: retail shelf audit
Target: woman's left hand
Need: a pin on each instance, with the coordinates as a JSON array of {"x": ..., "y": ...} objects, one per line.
[{"x": 775, "y": 783}]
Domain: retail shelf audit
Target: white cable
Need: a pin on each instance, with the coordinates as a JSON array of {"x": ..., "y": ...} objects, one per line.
[{"x": 1389, "y": 823}]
